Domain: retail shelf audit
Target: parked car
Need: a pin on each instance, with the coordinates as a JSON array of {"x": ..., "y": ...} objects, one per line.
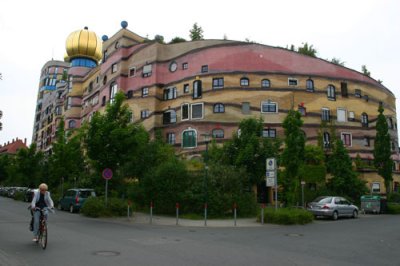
[
  {"x": 332, "y": 206},
  {"x": 74, "y": 199}
]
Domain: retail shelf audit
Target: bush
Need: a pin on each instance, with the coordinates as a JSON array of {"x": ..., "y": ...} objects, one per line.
[
  {"x": 394, "y": 197},
  {"x": 95, "y": 207},
  {"x": 393, "y": 208},
  {"x": 19, "y": 195},
  {"x": 287, "y": 216}
]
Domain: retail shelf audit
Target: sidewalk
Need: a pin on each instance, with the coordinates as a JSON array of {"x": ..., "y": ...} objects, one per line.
[{"x": 144, "y": 218}]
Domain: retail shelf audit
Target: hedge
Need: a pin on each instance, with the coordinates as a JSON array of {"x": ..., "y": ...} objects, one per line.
[{"x": 287, "y": 216}]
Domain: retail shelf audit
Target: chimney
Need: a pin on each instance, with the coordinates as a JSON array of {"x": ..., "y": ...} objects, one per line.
[{"x": 25, "y": 141}]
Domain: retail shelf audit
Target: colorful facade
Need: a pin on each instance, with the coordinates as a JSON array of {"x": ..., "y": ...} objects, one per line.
[{"x": 194, "y": 88}]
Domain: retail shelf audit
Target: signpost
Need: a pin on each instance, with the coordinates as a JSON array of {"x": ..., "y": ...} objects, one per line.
[
  {"x": 107, "y": 175},
  {"x": 271, "y": 177}
]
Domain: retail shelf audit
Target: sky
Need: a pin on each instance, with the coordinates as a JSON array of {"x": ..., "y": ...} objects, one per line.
[{"x": 358, "y": 32}]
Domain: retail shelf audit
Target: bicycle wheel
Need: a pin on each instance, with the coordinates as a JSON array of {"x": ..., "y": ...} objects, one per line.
[{"x": 43, "y": 236}]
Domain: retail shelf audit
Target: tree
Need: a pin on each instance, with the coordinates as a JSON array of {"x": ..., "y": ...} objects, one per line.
[
  {"x": 177, "y": 40},
  {"x": 337, "y": 61},
  {"x": 365, "y": 70},
  {"x": 307, "y": 50},
  {"x": 382, "y": 150},
  {"x": 293, "y": 155},
  {"x": 196, "y": 33},
  {"x": 111, "y": 140},
  {"x": 159, "y": 39},
  {"x": 344, "y": 181}
]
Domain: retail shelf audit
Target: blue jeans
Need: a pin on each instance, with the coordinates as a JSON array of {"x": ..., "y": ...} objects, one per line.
[{"x": 36, "y": 219}]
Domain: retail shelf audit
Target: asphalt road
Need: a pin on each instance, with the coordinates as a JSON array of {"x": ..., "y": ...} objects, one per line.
[{"x": 77, "y": 240}]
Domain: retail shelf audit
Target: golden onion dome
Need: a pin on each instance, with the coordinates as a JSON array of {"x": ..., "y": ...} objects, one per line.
[{"x": 83, "y": 43}]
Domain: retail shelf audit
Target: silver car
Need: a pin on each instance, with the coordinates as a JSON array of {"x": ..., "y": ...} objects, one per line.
[{"x": 332, "y": 206}]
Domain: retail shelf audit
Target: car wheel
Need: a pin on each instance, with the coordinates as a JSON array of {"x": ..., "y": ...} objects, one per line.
[
  {"x": 71, "y": 208},
  {"x": 335, "y": 215},
  {"x": 355, "y": 214}
]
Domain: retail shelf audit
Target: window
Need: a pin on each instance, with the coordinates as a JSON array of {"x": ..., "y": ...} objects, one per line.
[
  {"x": 302, "y": 110},
  {"x": 269, "y": 133},
  {"x": 390, "y": 123},
  {"x": 114, "y": 68},
  {"x": 310, "y": 85},
  {"x": 366, "y": 141},
  {"x": 103, "y": 101},
  {"x": 104, "y": 80},
  {"x": 90, "y": 86},
  {"x": 346, "y": 139},
  {"x": 325, "y": 114},
  {"x": 265, "y": 83},
  {"x": 171, "y": 138},
  {"x": 366, "y": 98},
  {"x": 244, "y": 82},
  {"x": 117, "y": 45},
  {"x": 218, "y": 133},
  {"x": 197, "y": 89},
  {"x": 341, "y": 115},
  {"x": 376, "y": 187},
  {"x": 246, "y": 108},
  {"x": 129, "y": 94},
  {"x": 173, "y": 66},
  {"x": 351, "y": 116},
  {"x": 71, "y": 124},
  {"x": 218, "y": 83},
  {"x": 343, "y": 89},
  {"x": 292, "y": 82},
  {"x": 144, "y": 113},
  {"x": 185, "y": 88},
  {"x": 357, "y": 93},
  {"x": 189, "y": 139},
  {"x": 197, "y": 110},
  {"x": 132, "y": 71},
  {"x": 185, "y": 66},
  {"x": 393, "y": 145},
  {"x": 185, "y": 111},
  {"x": 69, "y": 103},
  {"x": 147, "y": 71},
  {"x": 364, "y": 120},
  {"x": 169, "y": 117},
  {"x": 170, "y": 93},
  {"x": 269, "y": 107},
  {"x": 326, "y": 138},
  {"x": 145, "y": 92},
  {"x": 219, "y": 108},
  {"x": 113, "y": 91},
  {"x": 331, "y": 93},
  {"x": 58, "y": 110},
  {"x": 204, "y": 69}
]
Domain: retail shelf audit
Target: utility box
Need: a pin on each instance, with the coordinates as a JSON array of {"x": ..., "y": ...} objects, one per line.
[{"x": 373, "y": 204}]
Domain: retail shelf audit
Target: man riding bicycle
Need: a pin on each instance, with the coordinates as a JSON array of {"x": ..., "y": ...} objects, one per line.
[{"x": 41, "y": 199}]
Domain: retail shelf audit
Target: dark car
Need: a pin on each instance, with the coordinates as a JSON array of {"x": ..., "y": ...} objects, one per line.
[
  {"x": 332, "y": 206},
  {"x": 74, "y": 199}
]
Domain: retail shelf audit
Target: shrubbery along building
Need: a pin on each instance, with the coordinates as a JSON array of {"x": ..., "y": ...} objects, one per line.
[{"x": 192, "y": 88}]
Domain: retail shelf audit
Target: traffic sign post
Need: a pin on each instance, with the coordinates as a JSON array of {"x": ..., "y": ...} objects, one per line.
[
  {"x": 271, "y": 177},
  {"x": 107, "y": 175}
]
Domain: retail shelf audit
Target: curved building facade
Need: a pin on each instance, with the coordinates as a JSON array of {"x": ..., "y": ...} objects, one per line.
[{"x": 202, "y": 87}]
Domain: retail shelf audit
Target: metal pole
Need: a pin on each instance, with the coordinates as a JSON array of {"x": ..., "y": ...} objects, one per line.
[
  {"x": 151, "y": 212},
  {"x": 262, "y": 213},
  {"x": 302, "y": 195},
  {"x": 177, "y": 213},
  {"x": 205, "y": 214},
  {"x": 276, "y": 190},
  {"x": 129, "y": 216},
  {"x": 205, "y": 185},
  {"x": 234, "y": 213},
  {"x": 106, "y": 191}
]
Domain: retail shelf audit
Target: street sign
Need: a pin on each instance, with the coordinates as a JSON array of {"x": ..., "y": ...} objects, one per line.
[
  {"x": 107, "y": 173},
  {"x": 270, "y": 174},
  {"x": 271, "y": 164},
  {"x": 270, "y": 181}
]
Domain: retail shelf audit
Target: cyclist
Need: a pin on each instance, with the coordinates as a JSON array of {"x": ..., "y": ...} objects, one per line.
[{"x": 41, "y": 199}]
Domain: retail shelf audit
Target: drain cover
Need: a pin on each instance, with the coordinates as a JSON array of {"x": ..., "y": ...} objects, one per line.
[
  {"x": 106, "y": 253},
  {"x": 294, "y": 235}
]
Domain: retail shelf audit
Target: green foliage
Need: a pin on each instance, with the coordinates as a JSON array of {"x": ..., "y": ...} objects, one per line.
[
  {"x": 95, "y": 207},
  {"x": 196, "y": 33},
  {"x": 5, "y": 163},
  {"x": 19, "y": 195},
  {"x": 394, "y": 197},
  {"x": 365, "y": 70},
  {"x": 292, "y": 156},
  {"x": 159, "y": 39},
  {"x": 287, "y": 216},
  {"x": 337, "y": 61},
  {"x": 344, "y": 181},
  {"x": 393, "y": 208},
  {"x": 382, "y": 150},
  {"x": 177, "y": 40},
  {"x": 306, "y": 49}
]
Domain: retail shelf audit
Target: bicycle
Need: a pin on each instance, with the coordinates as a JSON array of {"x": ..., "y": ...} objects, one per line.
[{"x": 43, "y": 232}]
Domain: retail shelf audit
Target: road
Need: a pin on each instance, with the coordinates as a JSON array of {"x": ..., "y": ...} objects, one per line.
[{"x": 77, "y": 240}]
